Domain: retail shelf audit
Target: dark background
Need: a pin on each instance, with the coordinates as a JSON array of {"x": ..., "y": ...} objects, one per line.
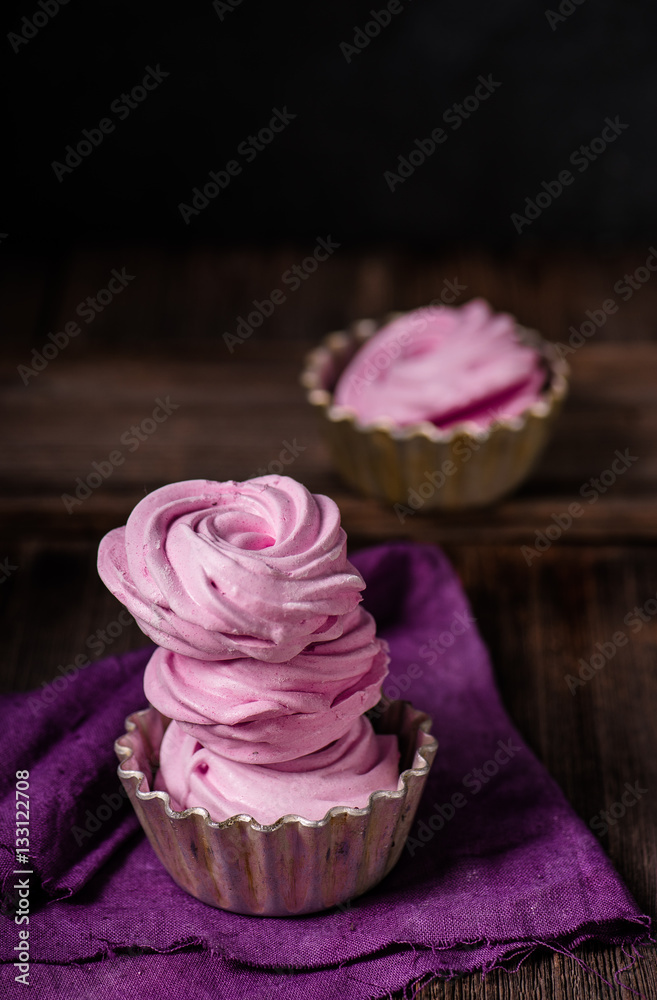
[{"x": 324, "y": 173}]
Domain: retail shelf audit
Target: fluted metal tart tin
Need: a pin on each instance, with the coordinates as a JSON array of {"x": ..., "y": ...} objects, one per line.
[
  {"x": 295, "y": 865},
  {"x": 422, "y": 466}
]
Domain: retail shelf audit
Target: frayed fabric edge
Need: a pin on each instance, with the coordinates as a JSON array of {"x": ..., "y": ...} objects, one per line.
[
  {"x": 511, "y": 961},
  {"x": 516, "y": 957}
]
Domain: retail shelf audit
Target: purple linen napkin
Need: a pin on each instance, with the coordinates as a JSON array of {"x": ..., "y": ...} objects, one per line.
[
  {"x": 497, "y": 862},
  {"x": 62, "y": 734}
]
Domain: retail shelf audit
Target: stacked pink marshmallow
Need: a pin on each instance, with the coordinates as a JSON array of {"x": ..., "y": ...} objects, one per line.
[{"x": 265, "y": 661}]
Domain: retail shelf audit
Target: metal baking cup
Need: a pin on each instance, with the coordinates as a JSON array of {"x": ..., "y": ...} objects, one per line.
[
  {"x": 296, "y": 865},
  {"x": 407, "y": 465}
]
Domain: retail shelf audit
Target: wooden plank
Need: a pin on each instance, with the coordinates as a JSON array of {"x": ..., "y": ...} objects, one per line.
[{"x": 231, "y": 417}]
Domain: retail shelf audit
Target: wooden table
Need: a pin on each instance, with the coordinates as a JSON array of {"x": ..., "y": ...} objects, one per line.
[{"x": 231, "y": 414}]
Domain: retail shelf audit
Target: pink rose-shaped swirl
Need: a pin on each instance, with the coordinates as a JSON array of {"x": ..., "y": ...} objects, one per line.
[
  {"x": 216, "y": 570},
  {"x": 446, "y": 366},
  {"x": 263, "y": 713}
]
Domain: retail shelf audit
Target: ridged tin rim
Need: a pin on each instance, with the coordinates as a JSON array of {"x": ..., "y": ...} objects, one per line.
[
  {"x": 425, "y": 750},
  {"x": 339, "y": 347}
]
